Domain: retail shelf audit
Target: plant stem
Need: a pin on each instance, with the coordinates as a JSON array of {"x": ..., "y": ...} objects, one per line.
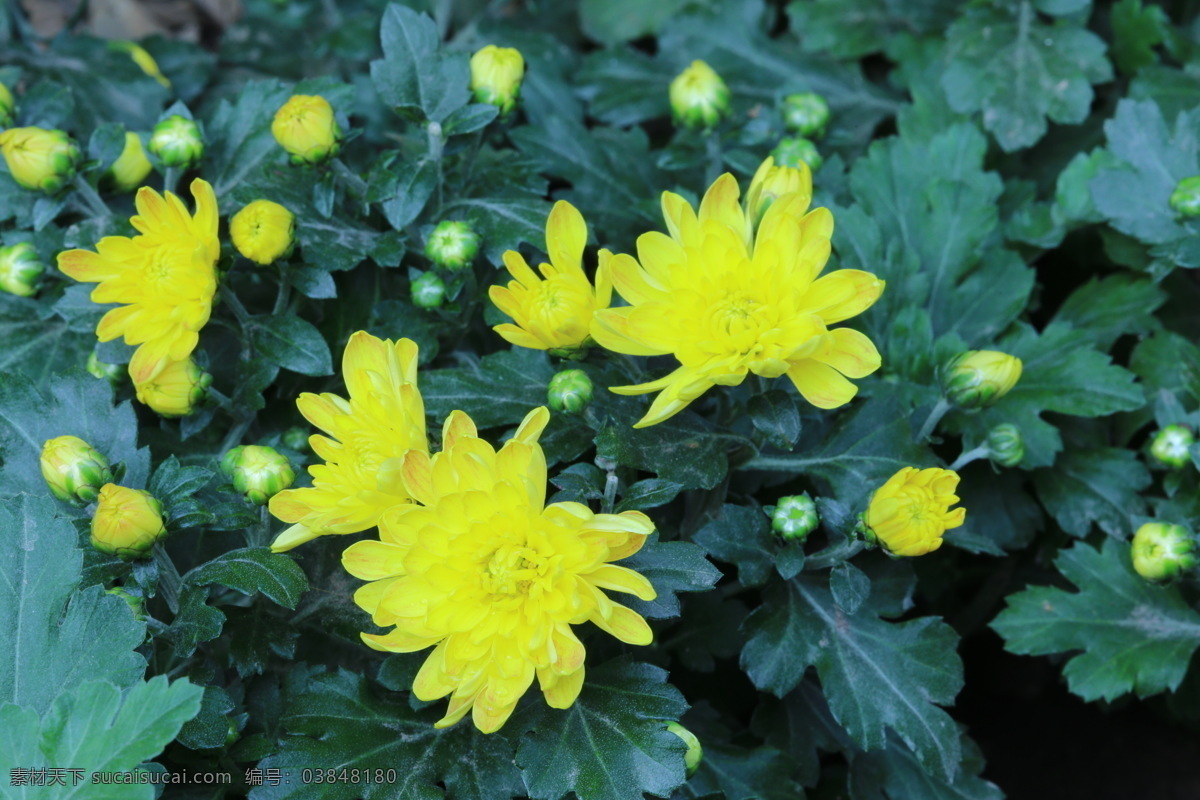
[
  {"x": 234, "y": 437},
  {"x": 235, "y": 305},
  {"x": 285, "y": 287},
  {"x": 935, "y": 416},
  {"x": 610, "y": 492},
  {"x": 437, "y": 144},
  {"x": 968, "y": 456},
  {"x": 94, "y": 202},
  {"x": 169, "y": 581},
  {"x": 171, "y": 179},
  {"x": 713, "y": 155}
]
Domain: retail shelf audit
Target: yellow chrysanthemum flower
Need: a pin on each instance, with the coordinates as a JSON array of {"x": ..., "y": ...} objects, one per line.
[
  {"x": 909, "y": 513},
  {"x": 555, "y": 313},
  {"x": 263, "y": 231},
  {"x": 726, "y": 301},
  {"x": 367, "y": 437},
  {"x": 493, "y": 577},
  {"x": 164, "y": 278}
]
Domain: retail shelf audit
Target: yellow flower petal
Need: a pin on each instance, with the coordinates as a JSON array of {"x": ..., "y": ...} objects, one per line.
[{"x": 821, "y": 385}]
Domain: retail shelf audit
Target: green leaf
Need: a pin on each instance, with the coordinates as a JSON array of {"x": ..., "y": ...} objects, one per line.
[
  {"x": 254, "y": 636},
  {"x": 1098, "y": 486},
  {"x": 671, "y": 567},
  {"x": 523, "y": 373},
  {"x": 403, "y": 189},
  {"x": 625, "y": 86},
  {"x": 611, "y": 744},
  {"x": 55, "y": 635},
  {"x": 775, "y": 415},
  {"x": 176, "y": 488},
  {"x": 254, "y": 570},
  {"x": 877, "y": 675},
  {"x": 851, "y": 29},
  {"x": 612, "y": 21},
  {"x": 99, "y": 728},
  {"x": 649, "y": 493},
  {"x": 740, "y": 773},
  {"x": 741, "y": 536},
  {"x": 209, "y": 728},
  {"x": 1136, "y": 31},
  {"x": 293, "y": 343},
  {"x": 686, "y": 449},
  {"x": 504, "y": 223},
  {"x": 195, "y": 622},
  {"x": 1000, "y": 510},
  {"x": 1107, "y": 308},
  {"x": 894, "y": 771},
  {"x": 414, "y": 72},
  {"x": 337, "y": 723},
  {"x": 44, "y": 348},
  {"x": 1019, "y": 71},
  {"x": 1131, "y": 636}
]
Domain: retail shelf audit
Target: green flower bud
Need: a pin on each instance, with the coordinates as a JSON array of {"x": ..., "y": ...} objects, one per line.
[
  {"x": 1185, "y": 200},
  {"x": 1170, "y": 446},
  {"x": 135, "y": 603},
  {"x": 452, "y": 244},
  {"x": 496, "y": 75},
  {"x": 1006, "y": 446},
  {"x": 807, "y": 114},
  {"x": 795, "y": 517},
  {"x": 127, "y": 522},
  {"x": 100, "y": 369},
  {"x": 1161, "y": 551},
  {"x": 20, "y": 268},
  {"x": 40, "y": 159},
  {"x": 296, "y": 438},
  {"x": 177, "y": 142},
  {"x": 978, "y": 378},
  {"x": 428, "y": 291},
  {"x": 258, "y": 473},
  {"x": 694, "y": 754},
  {"x": 73, "y": 469},
  {"x": 8, "y": 107},
  {"x": 795, "y": 150},
  {"x": 699, "y": 98},
  {"x": 570, "y": 391}
]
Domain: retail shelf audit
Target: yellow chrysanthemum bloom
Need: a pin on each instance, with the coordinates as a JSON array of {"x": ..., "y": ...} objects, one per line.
[
  {"x": 493, "y": 577},
  {"x": 367, "y": 437},
  {"x": 555, "y": 313},
  {"x": 164, "y": 278},
  {"x": 263, "y": 231},
  {"x": 909, "y": 513},
  {"x": 727, "y": 301}
]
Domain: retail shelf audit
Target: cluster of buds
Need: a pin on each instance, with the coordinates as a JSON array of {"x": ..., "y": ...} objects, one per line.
[
  {"x": 795, "y": 517},
  {"x": 40, "y": 159},
  {"x": 177, "y": 142},
  {"x": 699, "y": 97},
  {"x": 20, "y": 268},
  {"x": 1162, "y": 552},
  {"x": 263, "y": 231},
  {"x": 176, "y": 390},
  {"x": 1172, "y": 445},
  {"x": 258, "y": 473},
  {"x": 496, "y": 75},
  {"x": 130, "y": 169},
  {"x": 452, "y": 245},
  {"x": 979, "y": 378},
  {"x": 306, "y": 128},
  {"x": 570, "y": 391}
]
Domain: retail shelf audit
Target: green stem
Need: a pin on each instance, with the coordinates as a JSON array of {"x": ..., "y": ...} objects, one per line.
[
  {"x": 713, "y": 155},
  {"x": 437, "y": 144},
  {"x": 285, "y": 288},
  {"x": 935, "y": 416},
  {"x": 235, "y": 305},
  {"x": 171, "y": 179},
  {"x": 94, "y": 202},
  {"x": 968, "y": 456},
  {"x": 169, "y": 582},
  {"x": 234, "y": 437},
  {"x": 349, "y": 178},
  {"x": 610, "y": 492}
]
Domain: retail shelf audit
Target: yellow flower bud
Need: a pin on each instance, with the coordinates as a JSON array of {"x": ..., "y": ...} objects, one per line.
[
  {"x": 496, "y": 75},
  {"x": 8, "y": 107},
  {"x": 978, "y": 378},
  {"x": 699, "y": 98},
  {"x": 772, "y": 182},
  {"x": 73, "y": 469},
  {"x": 695, "y": 752},
  {"x": 263, "y": 231},
  {"x": 258, "y": 473},
  {"x": 176, "y": 390},
  {"x": 20, "y": 268},
  {"x": 131, "y": 168},
  {"x": 127, "y": 522},
  {"x": 142, "y": 59},
  {"x": 911, "y": 511},
  {"x": 306, "y": 128},
  {"x": 39, "y": 158}
]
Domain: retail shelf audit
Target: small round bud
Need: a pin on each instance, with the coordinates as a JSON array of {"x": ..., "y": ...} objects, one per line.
[
  {"x": 8, "y": 107},
  {"x": 296, "y": 438},
  {"x": 38, "y": 158},
  {"x": 978, "y": 378},
  {"x": 258, "y": 473},
  {"x": 796, "y": 150},
  {"x": 101, "y": 369},
  {"x": 699, "y": 98},
  {"x": 795, "y": 517},
  {"x": 1006, "y": 446},
  {"x": 135, "y": 603},
  {"x": 305, "y": 127},
  {"x": 694, "y": 754},
  {"x": 176, "y": 390},
  {"x": 1170, "y": 446},
  {"x": 20, "y": 268},
  {"x": 570, "y": 391},
  {"x": 73, "y": 469},
  {"x": 142, "y": 59},
  {"x": 177, "y": 142},
  {"x": 428, "y": 291},
  {"x": 452, "y": 245},
  {"x": 771, "y": 182},
  {"x": 1161, "y": 551},
  {"x": 263, "y": 231},
  {"x": 496, "y": 75},
  {"x": 127, "y": 522},
  {"x": 1185, "y": 200},
  {"x": 130, "y": 169},
  {"x": 807, "y": 114}
]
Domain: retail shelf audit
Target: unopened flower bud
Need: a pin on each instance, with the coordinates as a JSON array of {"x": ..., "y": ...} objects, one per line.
[
  {"x": 796, "y": 150},
  {"x": 73, "y": 469},
  {"x": 1185, "y": 200},
  {"x": 428, "y": 291},
  {"x": 136, "y": 604},
  {"x": 296, "y": 438},
  {"x": 699, "y": 98},
  {"x": 176, "y": 390},
  {"x": 694, "y": 754},
  {"x": 177, "y": 142},
  {"x": 795, "y": 517},
  {"x": 263, "y": 231},
  {"x": 452, "y": 244},
  {"x": 807, "y": 114},
  {"x": 771, "y": 182},
  {"x": 127, "y": 522},
  {"x": 130, "y": 169},
  {"x": 306, "y": 128},
  {"x": 1171, "y": 446},
  {"x": 1161, "y": 551},
  {"x": 38, "y": 158},
  {"x": 20, "y": 268},
  {"x": 142, "y": 59},
  {"x": 978, "y": 378},
  {"x": 8, "y": 107},
  {"x": 1006, "y": 446},
  {"x": 258, "y": 473},
  {"x": 496, "y": 75},
  {"x": 570, "y": 391},
  {"x": 101, "y": 369}
]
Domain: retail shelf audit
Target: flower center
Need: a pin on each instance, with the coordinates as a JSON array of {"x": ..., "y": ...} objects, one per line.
[{"x": 511, "y": 569}]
